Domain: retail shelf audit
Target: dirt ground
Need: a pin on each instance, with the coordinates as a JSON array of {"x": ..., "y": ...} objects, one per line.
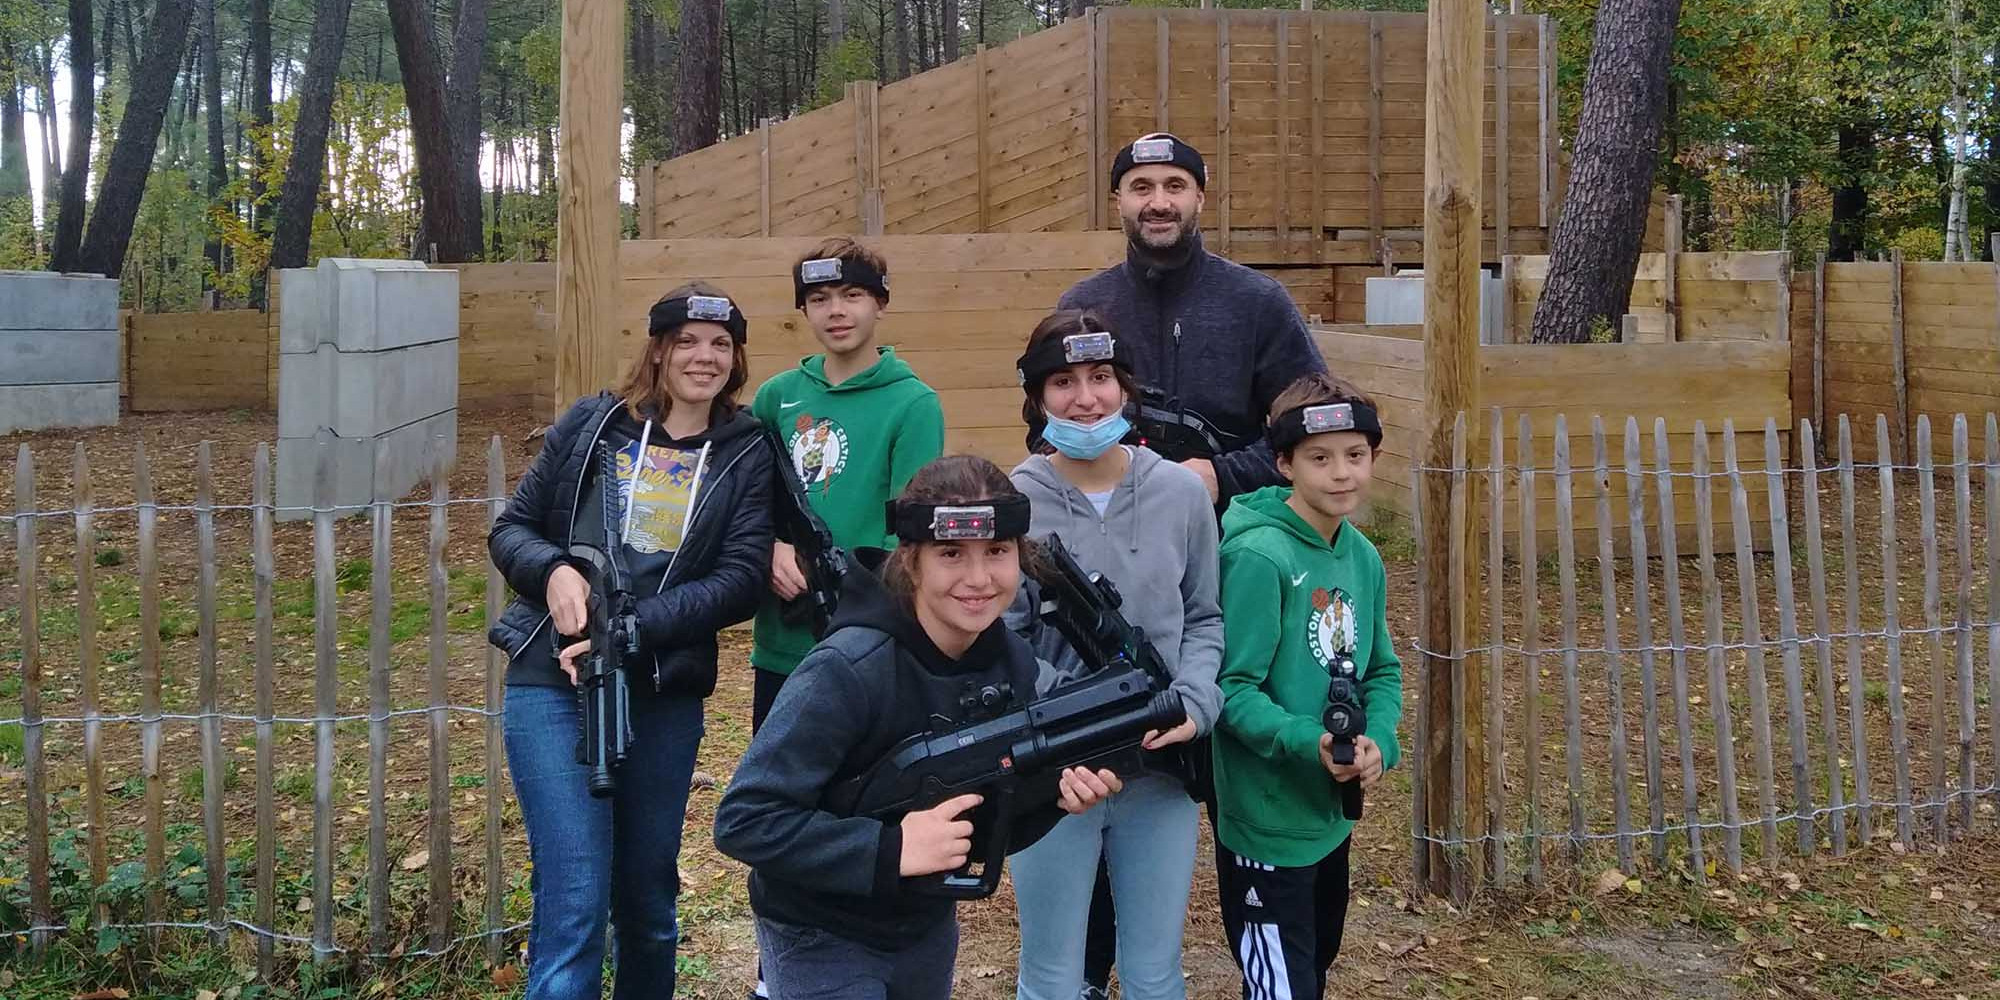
[{"x": 1892, "y": 918}]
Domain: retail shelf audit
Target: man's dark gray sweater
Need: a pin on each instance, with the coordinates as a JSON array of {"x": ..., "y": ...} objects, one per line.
[{"x": 1217, "y": 338}]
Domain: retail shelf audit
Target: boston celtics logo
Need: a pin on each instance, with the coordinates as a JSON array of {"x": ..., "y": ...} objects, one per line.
[
  {"x": 819, "y": 450},
  {"x": 1331, "y": 632}
]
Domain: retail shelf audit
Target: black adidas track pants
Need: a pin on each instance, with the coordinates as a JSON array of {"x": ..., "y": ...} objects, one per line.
[{"x": 1283, "y": 924}]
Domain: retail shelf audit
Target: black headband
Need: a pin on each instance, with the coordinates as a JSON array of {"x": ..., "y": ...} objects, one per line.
[
  {"x": 669, "y": 315},
  {"x": 998, "y": 518},
  {"x": 1159, "y": 147},
  {"x": 1091, "y": 346},
  {"x": 848, "y": 270},
  {"x": 1301, "y": 422}
]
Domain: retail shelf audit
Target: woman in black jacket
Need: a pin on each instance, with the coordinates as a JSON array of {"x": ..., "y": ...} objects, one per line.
[{"x": 689, "y": 512}]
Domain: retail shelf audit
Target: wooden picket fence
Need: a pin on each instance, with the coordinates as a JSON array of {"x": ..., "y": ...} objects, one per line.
[{"x": 1688, "y": 791}]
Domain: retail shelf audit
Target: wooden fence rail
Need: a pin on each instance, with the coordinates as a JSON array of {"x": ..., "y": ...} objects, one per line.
[{"x": 1774, "y": 757}]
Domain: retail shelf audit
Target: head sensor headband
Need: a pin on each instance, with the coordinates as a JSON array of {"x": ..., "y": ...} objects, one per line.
[
  {"x": 997, "y": 519},
  {"x": 850, "y": 270},
  {"x": 669, "y": 315},
  {"x": 1053, "y": 354},
  {"x": 1301, "y": 422},
  {"x": 1159, "y": 147}
]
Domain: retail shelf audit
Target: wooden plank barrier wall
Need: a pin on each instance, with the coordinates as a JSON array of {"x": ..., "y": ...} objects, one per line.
[
  {"x": 1717, "y": 296},
  {"x": 1311, "y": 124},
  {"x": 1743, "y": 382}
]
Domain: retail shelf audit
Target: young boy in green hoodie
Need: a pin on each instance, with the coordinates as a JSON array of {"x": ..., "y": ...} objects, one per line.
[
  {"x": 857, "y": 423},
  {"x": 1304, "y": 627}
]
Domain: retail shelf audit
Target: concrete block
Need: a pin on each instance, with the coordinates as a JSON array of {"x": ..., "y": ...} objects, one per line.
[
  {"x": 40, "y": 300},
  {"x": 1400, "y": 300},
  {"x": 41, "y": 407},
  {"x": 44, "y": 357},
  {"x": 366, "y": 305},
  {"x": 358, "y": 472},
  {"x": 301, "y": 315},
  {"x": 363, "y": 394}
]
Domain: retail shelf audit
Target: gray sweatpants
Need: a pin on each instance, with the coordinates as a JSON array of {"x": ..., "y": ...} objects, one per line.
[{"x": 806, "y": 963}]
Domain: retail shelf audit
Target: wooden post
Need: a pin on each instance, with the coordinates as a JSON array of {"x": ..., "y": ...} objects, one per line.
[
  {"x": 592, "y": 85},
  {"x": 28, "y": 562},
  {"x": 1454, "y": 101},
  {"x": 1100, "y": 123},
  {"x": 1222, "y": 188},
  {"x": 1284, "y": 136},
  {"x": 980, "y": 128},
  {"x": 1317, "y": 78},
  {"x": 1819, "y": 343},
  {"x": 1162, "y": 77},
  {"x": 1375, "y": 133},
  {"x": 1670, "y": 279},
  {"x": 1502, "y": 32},
  {"x": 1545, "y": 74},
  {"x": 645, "y": 184},
  {"x": 865, "y": 95},
  {"x": 764, "y": 177},
  {"x": 1897, "y": 357}
]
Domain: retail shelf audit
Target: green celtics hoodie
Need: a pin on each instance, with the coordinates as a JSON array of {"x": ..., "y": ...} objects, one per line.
[
  {"x": 1289, "y": 601},
  {"x": 854, "y": 445}
]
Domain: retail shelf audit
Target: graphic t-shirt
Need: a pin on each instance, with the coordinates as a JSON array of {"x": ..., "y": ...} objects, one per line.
[{"x": 657, "y": 498}]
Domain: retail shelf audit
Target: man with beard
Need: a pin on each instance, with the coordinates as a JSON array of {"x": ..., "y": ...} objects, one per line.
[{"x": 1213, "y": 342}]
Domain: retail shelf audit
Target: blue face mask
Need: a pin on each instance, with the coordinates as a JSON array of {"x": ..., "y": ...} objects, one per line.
[{"x": 1085, "y": 442}]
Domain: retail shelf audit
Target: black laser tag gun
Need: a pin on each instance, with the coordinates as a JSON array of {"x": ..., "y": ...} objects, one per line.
[
  {"x": 613, "y": 629},
  {"x": 1345, "y": 719},
  {"x": 824, "y": 563},
  {"x": 1176, "y": 432},
  {"x": 1013, "y": 758},
  {"x": 1084, "y": 607}
]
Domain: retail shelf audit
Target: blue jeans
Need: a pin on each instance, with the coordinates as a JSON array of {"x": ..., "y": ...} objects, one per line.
[
  {"x": 617, "y": 855},
  {"x": 1147, "y": 835},
  {"x": 806, "y": 963}
]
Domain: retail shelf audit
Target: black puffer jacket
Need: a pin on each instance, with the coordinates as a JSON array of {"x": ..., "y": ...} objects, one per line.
[{"x": 715, "y": 581}]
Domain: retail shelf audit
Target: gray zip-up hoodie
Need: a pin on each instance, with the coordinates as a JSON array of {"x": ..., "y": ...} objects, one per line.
[{"x": 1157, "y": 543}]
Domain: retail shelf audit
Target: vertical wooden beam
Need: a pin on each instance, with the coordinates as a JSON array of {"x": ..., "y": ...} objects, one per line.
[
  {"x": 1502, "y": 35},
  {"x": 1318, "y": 78},
  {"x": 1819, "y": 344},
  {"x": 591, "y": 103},
  {"x": 1375, "y": 132},
  {"x": 1670, "y": 281},
  {"x": 1222, "y": 186},
  {"x": 980, "y": 129},
  {"x": 764, "y": 177},
  {"x": 1100, "y": 120},
  {"x": 1545, "y": 78},
  {"x": 1898, "y": 356},
  {"x": 1453, "y": 106},
  {"x": 865, "y": 95},
  {"x": 1162, "y": 74},
  {"x": 1783, "y": 279},
  {"x": 645, "y": 182},
  {"x": 1284, "y": 135}
]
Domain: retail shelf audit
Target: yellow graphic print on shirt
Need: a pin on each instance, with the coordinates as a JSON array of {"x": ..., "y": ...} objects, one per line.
[{"x": 658, "y": 496}]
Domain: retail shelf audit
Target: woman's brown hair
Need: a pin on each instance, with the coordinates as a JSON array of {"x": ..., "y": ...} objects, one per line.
[
  {"x": 948, "y": 480},
  {"x": 644, "y": 390},
  {"x": 1063, "y": 323}
]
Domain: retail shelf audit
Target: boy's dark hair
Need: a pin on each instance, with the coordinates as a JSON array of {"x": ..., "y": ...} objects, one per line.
[
  {"x": 640, "y": 387},
  {"x": 1062, "y": 323},
  {"x": 951, "y": 479},
  {"x": 846, "y": 248},
  {"x": 1319, "y": 389}
]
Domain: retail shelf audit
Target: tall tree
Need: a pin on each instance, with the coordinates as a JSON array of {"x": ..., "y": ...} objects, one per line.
[
  {"x": 1854, "y": 153},
  {"x": 13, "y": 128},
  {"x": 1993, "y": 164},
  {"x": 117, "y": 208},
  {"x": 218, "y": 168},
  {"x": 260, "y": 119},
  {"x": 648, "y": 85},
  {"x": 902, "y": 18},
  {"x": 450, "y": 219},
  {"x": 698, "y": 77},
  {"x": 291, "y": 233},
  {"x": 82, "y": 118},
  {"x": 948, "y": 29},
  {"x": 45, "y": 98},
  {"x": 1595, "y": 247},
  {"x": 468, "y": 58}
]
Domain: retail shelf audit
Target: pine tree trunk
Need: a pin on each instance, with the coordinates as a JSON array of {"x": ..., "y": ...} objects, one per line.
[
  {"x": 260, "y": 118},
  {"x": 291, "y": 232},
  {"x": 902, "y": 17},
  {"x": 648, "y": 85},
  {"x": 13, "y": 131},
  {"x": 698, "y": 77},
  {"x": 1595, "y": 246},
  {"x": 117, "y": 210},
  {"x": 82, "y": 119},
  {"x": 52, "y": 166},
  {"x": 948, "y": 29},
  {"x": 1854, "y": 156},
  {"x": 218, "y": 165},
  {"x": 468, "y": 59},
  {"x": 431, "y": 134}
]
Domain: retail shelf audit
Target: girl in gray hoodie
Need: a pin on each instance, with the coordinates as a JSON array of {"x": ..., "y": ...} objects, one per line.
[{"x": 1145, "y": 524}]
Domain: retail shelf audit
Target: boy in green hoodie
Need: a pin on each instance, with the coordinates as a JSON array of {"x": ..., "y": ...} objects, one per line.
[
  {"x": 1304, "y": 627},
  {"x": 857, "y": 423}
]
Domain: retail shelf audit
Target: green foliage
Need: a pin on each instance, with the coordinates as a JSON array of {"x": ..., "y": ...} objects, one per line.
[
  {"x": 22, "y": 248},
  {"x": 853, "y": 59}
]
